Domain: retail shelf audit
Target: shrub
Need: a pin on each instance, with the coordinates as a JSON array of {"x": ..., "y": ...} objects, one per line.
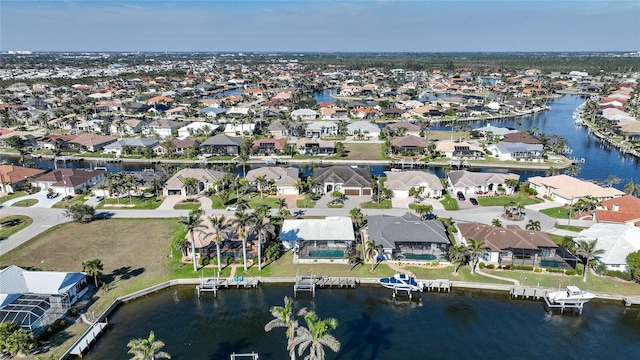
[
  {"x": 552, "y": 270},
  {"x": 538, "y": 270},
  {"x": 531, "y": 191},
  {"x": 491, "y": 266},
  {"x": 624, "y": 275},
  {"x": 523, "y": 267},
  {"x": 481, "y": 265},
  {"x": 229, "y": 260},
  {"x": 204, "y": 261},
  {"x": 435, "y": 263},
  {"x": 570, "y": 272},
  {"x": 507, "y": 267}
]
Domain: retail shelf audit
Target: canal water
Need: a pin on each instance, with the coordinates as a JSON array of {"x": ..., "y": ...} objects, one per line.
[{"x": 372, "y": 325}]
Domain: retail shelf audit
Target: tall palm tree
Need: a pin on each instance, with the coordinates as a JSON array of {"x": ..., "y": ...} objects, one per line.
[
  {"x": 262, "y": 227},
  {"x": 316, "y": 335},
  {"x": 533, "y": 225},
  {"x": 283, "y": 317},
  {"x": 371, "y": 250},
  {"x": 242, "y": 204},
  {"x": 632, "y": 188},
  {"x": 147, "y": 349},
  {"x": 93, "y": 268},
  {"x": 281, "y": 203},
  {"x": 241, "y": 222},
  {"x": 193, "y": 223},
  {"x": 358, "y": 218},
  {"x": 220, "y": 226},
  {"x": 261, "y": 182},
  {"x": 474, "y": 249},
  {"x": 190, "y": 185},
  {"x": 457, "y": 255},
  {"x": 587, "y": 249}
]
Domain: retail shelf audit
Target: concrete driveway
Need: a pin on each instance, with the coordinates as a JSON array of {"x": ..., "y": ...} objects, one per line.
[{"x": 41, "y": 196}]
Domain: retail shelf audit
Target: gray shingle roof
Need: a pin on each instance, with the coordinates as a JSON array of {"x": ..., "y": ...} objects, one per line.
[
  {"x": 343, "y": 174},
  {"x": 388, "y": 231}
]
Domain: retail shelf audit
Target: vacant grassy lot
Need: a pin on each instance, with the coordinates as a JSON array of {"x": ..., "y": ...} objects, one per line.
[
  {"x": 557, "y": 212},
  {"x": 521, "y": 199},
  {"x": 12, "y": 224},
  {"x": 357, "y": 151}
]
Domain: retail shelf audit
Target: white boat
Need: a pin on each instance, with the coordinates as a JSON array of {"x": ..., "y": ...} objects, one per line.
[
  {"x": 401, "y": 282},
  {"x": 572, "y": 295}
]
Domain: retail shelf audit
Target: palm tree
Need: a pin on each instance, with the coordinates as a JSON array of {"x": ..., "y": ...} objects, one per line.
[
  {"x": 632, "y": 188},
  {"x": 300, "y": 186},
  {"x": 496, "y": 222},
  {"x": 261, "y": 182},
  {"x": 242, "y": 204},
  {"x": 281, "y": 203},
  {"x": 93, "y": 268},
  {"x": 262, "y": 227},
  {"x": 241, "y": 222},
  {"x": 371, "y": 250},
  {"x": 474, "y": 249},
  {"x": 147, "y": 349},
  {"x": 533, "y": 225},
  {"x": 190, "y": 185},
  {"x": 220, "y": 226},
  {"x": 283, "y": 317},
  {"x": 588, "y": 251},
  {"x": 457, "y": 255},
  {"x": 156, "y": 184},
  {"x": 193, "y": 223},
  {"x": 20, "y": 342},
  {"x": 358, "y": 218},
  {"x": 315, "y": 335}
]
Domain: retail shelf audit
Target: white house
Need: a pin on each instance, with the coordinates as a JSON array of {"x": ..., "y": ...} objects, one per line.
[
  {"x": 401, "y": 182},
  {"x": 617, "y": 241},
  {"x": 197, "y": 127},
  {"x": 303, "y": 114},
  {"x": 518, "y": 151},
  {"x": 319, "y": 240}
]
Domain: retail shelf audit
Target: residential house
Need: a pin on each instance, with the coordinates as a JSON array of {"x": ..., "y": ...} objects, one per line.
[
  {"x": 90, "y": 126},
  {"x": 196, "y": 128},
  {"x": 566, "y": 190},
  {"x": 33, "y": 300},
  {"x": 130, "y": 145},
  {"x": 331, "y": 239},
  {"x": 282, "y": 179},
  {"x": 236, "y": 112},
  {"x": 230, "y": 246},
  {"x": 409, "y": 238},
  {"x": 363, "y": 129},
  {"x": 319, "y": 129},
  {"x": 631, "y": 131},
  {"x": 515, "y": 246},
  {"x": 277, "y": 129},
  {"x": 129, "y": 127},
  {"x": 462, "y": 149},
  {"x": 146, "y": 180},
  {"x": 617, "y": 241},
  {"x": 221, "y": 144},
  {"x": 506, "y": 151},
  {"x": 69, "y": 181},
  {"x": 469, "y": 182},
  {"x": 269, "y": 145},
  {"x": 13, "y": 178},
  {"x": 400, "y": 182},
  {"x": 303, "y": 114},
  {"x": 231, "y": 129},
  {"x": 331, "y": 113},
  {"x": 163, "y": 128},
  {"x": 54, "y": 142},
  {"x": 315, "y": 147},
  {"x": 410, "y": 143},
  {"x": 212, "y": 112},
  {"x": 520, "y": 137},
  {"x": 492, "y": 132},
  {"x": 405, "y": 128},
  {"x": 206, "y": 179},
  {"x": 345, "y": 179},
  {"x": 91, "y": 142},
  {"x": 621, "y": 210}
]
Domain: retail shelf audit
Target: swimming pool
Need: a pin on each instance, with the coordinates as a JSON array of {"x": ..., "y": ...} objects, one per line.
[
  {"x": 410, "y": 256},
  {"x": 321, "y": 253}
]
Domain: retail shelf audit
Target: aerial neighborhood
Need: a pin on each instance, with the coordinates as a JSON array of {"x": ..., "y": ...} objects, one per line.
[{"x": 272, "y": 163}]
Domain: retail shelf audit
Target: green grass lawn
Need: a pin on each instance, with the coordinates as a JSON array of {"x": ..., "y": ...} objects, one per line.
[
  {"x": 12, "y": 224},
  {"x": 254, "y": 201},
  {"x": 25, "y": 203},
  {"x": 139, "y": 203},
  {"x": 63, "y": 204},
  {"x": 306, "y": 202},
  {"x": 12, "y": 196},
  {"x": 570, "y": 228},
  {"x": 384, "y": 204},
  {"x": 449, "y": 203},
  {"x": 521, "y": 199},
  {"x": 557, "y": 212},
  {"x": 195, "y": 205},
  {"x": 364, "y": 151},
  {"x": 556, "y": 238}
]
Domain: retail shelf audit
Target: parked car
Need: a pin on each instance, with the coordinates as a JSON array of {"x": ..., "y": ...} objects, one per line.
[
  {"x": 232, "y": 208},
  {"x": 430, "y": 216},
  {"x": 52, "y": 195},
  {"x": 473, "y": 201},
  {"x": 480, "y": 192},
  {"x": 461, "y": 196}
]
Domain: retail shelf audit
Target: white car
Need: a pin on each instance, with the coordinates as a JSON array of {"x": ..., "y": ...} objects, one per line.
[{"x": 232, "y": 208}]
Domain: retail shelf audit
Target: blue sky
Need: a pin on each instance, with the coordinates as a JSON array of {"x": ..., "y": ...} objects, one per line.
[{"x": 320, "y": 25}]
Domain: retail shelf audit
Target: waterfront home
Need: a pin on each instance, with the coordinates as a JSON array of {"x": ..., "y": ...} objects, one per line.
[
  {"x": 221, "y": 144},
  {"x": 345, "y": 179},
  {"x": 319, "y": 240},
  {"x": 206, "y": 179},
  {"x": 69, "y": 181},
  {"x": 91, "y": 142},
  {"x": 408, "y": 237},
  {"x": 514, "y": 246},
  {"x": 631, "y": 131},
  {"x": 13, "y": 178},
  {"x": 303, "y": 114},
  {"x": 54, "y": 142},
  {"x": 231, "y": 244},
  {"x": 404, "y": 128},
  {"x": 469, "y": 182},
  {"x": 35, "y": 299},
  {"x": 146, "y": 180},
  {"x": 315, "y": 147},
  {"x": 212, "y": 112},
  {"x": 402, "y": 182},
  {"x": 617, "y": 241},
  {"x": 178, "y": 147},
  {"x": 520, "y": 137},
  {"x": 320, "y": 129},
  {"x": 363, "y": 129},
  {"x": 281, "y": 180},
  {"x": 566, "y": 190},
  {"x": 128, "y": 126},
  {"x": 129, "y": 145},
  {"x": 410, "y": 144},
  {"x": 505, "y": 151},
  {"x": 492, "y": 132},
  {"x": 163, "y": 128},
  {"x": 621, "y": 210},
  {"x": 460, "y": 149},
  {"x": 232, "y": 129},
  {"x": 269, "y": 145}
]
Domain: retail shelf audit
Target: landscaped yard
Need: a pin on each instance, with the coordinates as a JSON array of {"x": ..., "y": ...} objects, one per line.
[
  {"x": 254, "y": 201},
  {"x": 306, "y": 202},
  {"x": 449, "y": 203},
  {"x": 522, "y": 199},
  {"x": 12, "y": 196},
  {"x": 384, "y": 204},
  {"x": 193, "y": 205},
  {"x": 63, "y": 204},
  {"x": 25, "y": 203},
  {"x": 12, "y": 224},
  {"x": 136, "y": 202},
  {"x": 557, "y": 212}
]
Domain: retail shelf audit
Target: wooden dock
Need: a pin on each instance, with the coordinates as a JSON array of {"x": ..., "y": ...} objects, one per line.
[
  {"x": 436, "y": 285},
  {"x": 526, "y": 292},
  {"x": 89, "y": 337},
  {"x": 310, "y": 282},
  {"x": 631, "y": 300},
  {"x": 212, "y": 285}
]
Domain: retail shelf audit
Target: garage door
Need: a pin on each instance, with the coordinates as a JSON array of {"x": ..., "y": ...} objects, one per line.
[
  {"x": 366, "y": 192},
  {"x": 355, "y": 192}
]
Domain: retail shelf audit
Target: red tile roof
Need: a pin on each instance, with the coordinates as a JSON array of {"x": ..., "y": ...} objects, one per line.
[
  {"x": 14, "y": 174},
  {"x": 628, "y": 209}
]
